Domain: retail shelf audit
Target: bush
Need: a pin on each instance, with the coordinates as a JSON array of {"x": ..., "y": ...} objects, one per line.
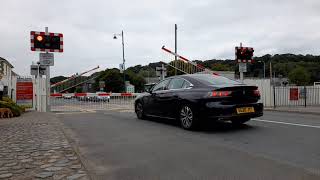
[
  {"x": 8, "y": 103},
  {"x": 7, "y": 99},
  {"x": 24, "y": 107}
]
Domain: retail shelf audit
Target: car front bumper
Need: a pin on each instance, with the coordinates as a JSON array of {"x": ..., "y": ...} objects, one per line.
[{"x": 218, "y": 111}]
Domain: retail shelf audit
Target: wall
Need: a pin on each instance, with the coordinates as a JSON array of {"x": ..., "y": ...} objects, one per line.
[
  {"x": 265, "y": 89},
  {"x": 7, "y": 78},
  {"x": 40, "y": 94},
  {"x": 282, "y": 94}
]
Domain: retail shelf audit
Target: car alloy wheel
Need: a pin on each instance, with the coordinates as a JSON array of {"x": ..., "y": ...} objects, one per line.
[
  {"x": 139, "y": 111},
  {"x": 186, "y": 117}
]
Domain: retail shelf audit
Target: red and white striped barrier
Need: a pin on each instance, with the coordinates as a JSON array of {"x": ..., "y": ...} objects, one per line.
[
  {"x": 102, "y": 94},
  {"x": 188, "y": 61}
]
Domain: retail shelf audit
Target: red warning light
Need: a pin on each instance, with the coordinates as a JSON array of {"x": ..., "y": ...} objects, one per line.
[{"x": 39, "y": 38}]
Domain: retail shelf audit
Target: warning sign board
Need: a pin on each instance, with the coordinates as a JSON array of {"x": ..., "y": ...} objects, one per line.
[
  {"x": 24, "y": 92},
  {"x": 294, "y": 94}
]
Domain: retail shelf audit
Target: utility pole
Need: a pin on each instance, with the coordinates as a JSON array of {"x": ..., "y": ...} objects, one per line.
[
  {"x": 162, "y": 72},
  {"x": 175, "y": 47},
  {"x": 241, "y": 72},
  {"x": 148, "y": 75},
  {"x": 271, "y": 73},
  {"x": 123, "y": 59},
  {"x": 124, "y": 68},
  {"x": 264, "y": 70},
  {"x": 48, "y": 89}
]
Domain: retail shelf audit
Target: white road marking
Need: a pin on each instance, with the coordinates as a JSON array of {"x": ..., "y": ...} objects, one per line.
[
  {"x": 72, "y": 112},
  {"x": 77, "y": 112},
  {"x": 286, "y": 123}
]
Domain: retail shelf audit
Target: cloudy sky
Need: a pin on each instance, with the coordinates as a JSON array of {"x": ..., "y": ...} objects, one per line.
[{"x": 206, "y": 29}]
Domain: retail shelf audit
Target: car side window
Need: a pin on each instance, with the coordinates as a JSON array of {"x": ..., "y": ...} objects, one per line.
[
  {"x": 186, "y": 84},
  {"x": 161, "y": 86},
  {"x": 176, "y": 83}
]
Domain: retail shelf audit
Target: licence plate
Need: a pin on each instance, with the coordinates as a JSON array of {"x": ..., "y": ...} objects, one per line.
[{"x": 243, "y": 110}]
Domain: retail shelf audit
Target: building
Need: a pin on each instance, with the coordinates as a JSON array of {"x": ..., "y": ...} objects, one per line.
[
  {"x": 88, "y": 86},
  {"x": 129, "y": 87},
  {"x": 8, "y": 77}
]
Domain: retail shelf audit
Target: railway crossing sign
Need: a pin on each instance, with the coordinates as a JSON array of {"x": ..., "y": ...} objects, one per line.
[
  {"x": 45, "y": 41},
  {"x": 242, "y": 67},
  {"x": 244, "y": 54},
  {"x": 46, "y": 59}
]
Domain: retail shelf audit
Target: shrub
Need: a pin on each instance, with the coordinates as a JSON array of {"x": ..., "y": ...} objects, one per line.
[
  {"x": 8, "y": 103},
  {"x": 7, "y": 99}
]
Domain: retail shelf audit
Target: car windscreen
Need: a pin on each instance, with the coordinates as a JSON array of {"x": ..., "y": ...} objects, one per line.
[{"x": 209, "y": 79}]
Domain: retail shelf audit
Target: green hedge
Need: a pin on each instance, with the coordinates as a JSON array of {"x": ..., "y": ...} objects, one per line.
[{"x": 8, "y": 103}]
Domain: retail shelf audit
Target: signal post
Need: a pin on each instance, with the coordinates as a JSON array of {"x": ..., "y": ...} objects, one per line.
[
  {"x": 45, "y": 42},
  {"x": 244, "y": 55}
]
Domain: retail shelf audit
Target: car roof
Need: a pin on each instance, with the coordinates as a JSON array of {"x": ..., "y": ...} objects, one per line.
[
  {"x": 194, "y": 78},
  {"x": 189, "y": 78}
]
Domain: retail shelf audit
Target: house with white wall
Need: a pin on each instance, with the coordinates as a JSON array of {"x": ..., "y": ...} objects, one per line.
[{"x": 8, "y": 77}]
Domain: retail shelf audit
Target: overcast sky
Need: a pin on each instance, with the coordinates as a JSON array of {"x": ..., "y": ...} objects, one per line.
[{"x": 206, "y": 29}]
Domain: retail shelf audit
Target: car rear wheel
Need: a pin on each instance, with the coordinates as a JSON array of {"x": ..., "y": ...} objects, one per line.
[
  {"x": 187, "y": 117},
  {"x": 238, "y": 122},
  {"x": 139, "y": 111}
]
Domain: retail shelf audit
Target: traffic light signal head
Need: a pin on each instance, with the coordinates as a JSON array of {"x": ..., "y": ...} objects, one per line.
[
  {"x": 244, "y": 54},
  {"x": 39, "y": 38},
  {"x": 50, "y": 42}
]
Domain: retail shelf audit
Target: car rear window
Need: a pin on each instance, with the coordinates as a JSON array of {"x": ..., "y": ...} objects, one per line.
[{"x": 214, "y": 79}]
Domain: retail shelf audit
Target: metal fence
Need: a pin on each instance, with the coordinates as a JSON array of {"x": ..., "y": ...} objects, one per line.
[
  {"x": 92, "y": 102},
  {"x": 296, "y": 96}
]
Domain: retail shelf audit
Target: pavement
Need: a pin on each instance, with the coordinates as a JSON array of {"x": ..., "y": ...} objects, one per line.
[
  {"x": 34, "y": 146},
  {"x": 116, "y": 145},
  {"x": 297, "y": 109}
]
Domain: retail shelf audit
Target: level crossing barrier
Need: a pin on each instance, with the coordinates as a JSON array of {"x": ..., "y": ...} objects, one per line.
[{"x": 62, "y": 102}]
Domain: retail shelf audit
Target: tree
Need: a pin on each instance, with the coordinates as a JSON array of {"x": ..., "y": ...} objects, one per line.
[
  {"x": 136, "y": 80},
  {"x": 113, "y": 80},
  {"x": 57, "y": 79},
  {"x": 78, "y": 89},
  {"x": 299, "y": 76}
]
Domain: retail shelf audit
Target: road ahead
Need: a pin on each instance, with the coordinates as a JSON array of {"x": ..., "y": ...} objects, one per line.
[{"x": 119, "y": 146}]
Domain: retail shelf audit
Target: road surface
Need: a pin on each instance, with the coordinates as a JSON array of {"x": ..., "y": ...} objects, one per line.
[{"x": 116, "y": 145}]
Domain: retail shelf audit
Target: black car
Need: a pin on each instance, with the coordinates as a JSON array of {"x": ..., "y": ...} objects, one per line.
[{"x": 194, "y": 97}]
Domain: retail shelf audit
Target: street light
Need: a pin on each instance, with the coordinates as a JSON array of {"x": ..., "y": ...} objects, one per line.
[
  {"x": 123, "y": 60},
  {"x": 264, "y": 68}
]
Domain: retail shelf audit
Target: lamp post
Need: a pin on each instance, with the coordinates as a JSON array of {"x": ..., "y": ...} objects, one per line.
[
  {"x": 123, "y": 60},
  {"x": 264, "y": 68}
]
